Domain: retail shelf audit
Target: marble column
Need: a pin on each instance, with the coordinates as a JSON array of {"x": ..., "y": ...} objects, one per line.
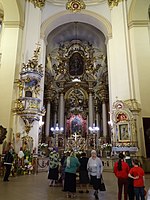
[
  {"x": 55, "y": 118},
  {"x": 61, "y": 111},
  {"x": 97, "y": 124},
  {"x": 47, "y": 128},
  {"x": 90, "y": 110},
  {"x": 104, "y": 117},
  {"x": 55, "y": 115}
]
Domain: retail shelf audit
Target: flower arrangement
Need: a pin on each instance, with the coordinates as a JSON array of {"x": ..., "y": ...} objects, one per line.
[
  {"x": 28, "y": 168},
  {"x": 106, "y": 147},
  {"x": 43, "y": 149}
]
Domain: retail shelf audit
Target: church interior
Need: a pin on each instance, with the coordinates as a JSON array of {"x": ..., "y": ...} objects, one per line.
[{"x": 74, "y": 75}]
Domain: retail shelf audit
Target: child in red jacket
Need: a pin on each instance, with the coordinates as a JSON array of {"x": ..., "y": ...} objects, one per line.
[
  {"x": 138, "y": 176},
  {"x": 121, "y": 170}
]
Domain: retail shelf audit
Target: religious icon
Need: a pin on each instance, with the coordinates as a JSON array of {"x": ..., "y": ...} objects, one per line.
[
  {"x": 124, "y": 134},
  {"x": 76, "y": 125},
  {"x": 76, "y": 64}
]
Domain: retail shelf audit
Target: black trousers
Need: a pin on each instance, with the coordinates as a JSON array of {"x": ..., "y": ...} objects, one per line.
[
  {"x": 95, "y": 182},
  {"x": 130, "y": 189},
  {"x": 7, "y": 172},
  {"x": 70, "y": 182}
]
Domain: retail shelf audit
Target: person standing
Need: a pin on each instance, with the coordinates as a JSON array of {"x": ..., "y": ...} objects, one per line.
[
  {"x": 128, "y": 160},
  {"x": 121, "y": 170},
  {"x": 8, "y": 160},
  {"x": 53, "y": 168},
  {"x": 95, "y": 168},
  {"x": 83, "y": 173},
  {"x": 21, "y": 156},
  {"x": 63, "y": 166},
  {"x": 137, "y": 173},
  {"x": 72, "y": 164}
]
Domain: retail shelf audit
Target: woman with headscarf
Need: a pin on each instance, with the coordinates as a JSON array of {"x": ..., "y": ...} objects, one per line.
[
  {"x": 72, "y": 164},
  {"x": 95, "y": 169},
  {"x": 53, "y": 168},
  {"x": 121, "y": 170}
]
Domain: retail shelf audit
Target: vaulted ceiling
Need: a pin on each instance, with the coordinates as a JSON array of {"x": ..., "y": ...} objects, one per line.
[{"x": 75, "y": 31}]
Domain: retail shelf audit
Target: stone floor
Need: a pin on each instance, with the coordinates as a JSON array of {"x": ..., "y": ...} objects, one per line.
[{"x": 35, "y": 187}]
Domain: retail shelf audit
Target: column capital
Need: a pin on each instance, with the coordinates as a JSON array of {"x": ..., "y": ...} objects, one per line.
[
  {"x": 113, "y": 3},
  {"x": 37, "y": 3},
  {"x": 102, "y": 92},
  {"x": 50, "y": 95}
]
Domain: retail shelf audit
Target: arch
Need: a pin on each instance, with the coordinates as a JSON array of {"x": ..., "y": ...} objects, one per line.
[
  {"x": 138, "y": 11},
  {"x": 88, "y": 17},
  {"x": 1, "y": 11},
  {"x": 9, "y": 16},
  {"x": 81, "y": 89}
]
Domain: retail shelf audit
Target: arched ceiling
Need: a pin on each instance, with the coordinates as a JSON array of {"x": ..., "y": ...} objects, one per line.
[
  {"x": 87, "y": 2},
  {"x": 76, "y": 31}
]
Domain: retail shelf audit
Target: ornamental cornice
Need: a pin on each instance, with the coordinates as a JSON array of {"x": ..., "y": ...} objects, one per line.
[
  {"x": 13, "y": 24},
  {"x": 133, "y": 105},
  {"x": 37, "y": 3},
  {"x": 138, "y": 23}
]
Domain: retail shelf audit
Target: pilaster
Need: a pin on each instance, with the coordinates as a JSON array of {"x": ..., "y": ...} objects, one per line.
[
  {"x": 119, "y": 63},
  {"x": 90, "y": 109}
]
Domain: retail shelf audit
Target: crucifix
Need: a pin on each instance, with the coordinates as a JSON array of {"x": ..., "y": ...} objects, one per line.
[{"x": 75, "y": 136}]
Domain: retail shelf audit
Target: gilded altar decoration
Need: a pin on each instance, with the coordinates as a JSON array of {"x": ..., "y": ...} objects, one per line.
[
  {"x": 38, "y": 3},
  {"x": 78, "y": 59},
  {"x": 76, "y": 143},
  {"x": 27, "y": 143},
  {"x": 28, "y": 105},
  {"x": 113, "y": 3},
  {"x": 123, "y": 128},
  {"x": 77, "y": 69},
  {"x": 75, "y": 5}
]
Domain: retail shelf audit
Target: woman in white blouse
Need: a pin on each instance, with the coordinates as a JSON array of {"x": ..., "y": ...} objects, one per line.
[{"x": 95, "y": 169}]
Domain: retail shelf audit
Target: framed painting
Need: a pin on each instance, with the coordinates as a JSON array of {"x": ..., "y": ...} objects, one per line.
[{"x": 124, "y": 133}]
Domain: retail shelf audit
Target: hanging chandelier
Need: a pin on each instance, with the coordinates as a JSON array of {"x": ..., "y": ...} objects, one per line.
[{"x": 75, "y": 5}]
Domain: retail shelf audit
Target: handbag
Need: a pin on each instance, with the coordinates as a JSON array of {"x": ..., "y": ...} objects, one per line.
[{"x": 102, "y": 185}]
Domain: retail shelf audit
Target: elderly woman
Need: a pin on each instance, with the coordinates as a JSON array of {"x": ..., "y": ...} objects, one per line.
[{"x": 95, "y": 168}]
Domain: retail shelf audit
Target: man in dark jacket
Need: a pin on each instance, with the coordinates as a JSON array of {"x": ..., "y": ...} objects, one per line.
[{"x": 8, "y": 160}]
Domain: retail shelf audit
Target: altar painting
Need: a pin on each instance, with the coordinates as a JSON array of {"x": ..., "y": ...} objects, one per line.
[{"x": 76, "y": 124}]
